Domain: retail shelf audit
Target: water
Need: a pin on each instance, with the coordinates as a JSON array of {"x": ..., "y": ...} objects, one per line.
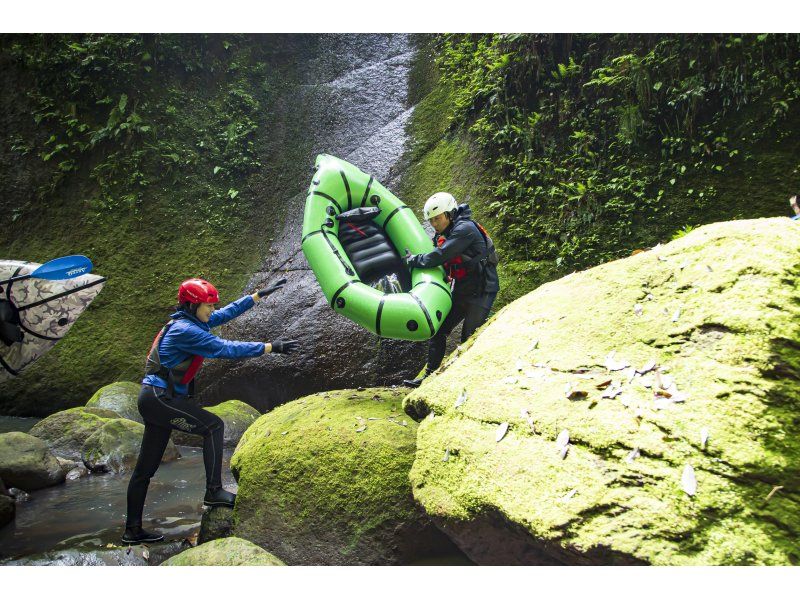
[
  {"x": 90, "y": 512},
  {"x": 17, "y": 424}
]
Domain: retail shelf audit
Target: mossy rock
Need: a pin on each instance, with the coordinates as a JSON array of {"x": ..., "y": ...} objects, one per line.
[
  {"x": 719, "y": 310},
  {"x": 115, "y": 447},
  {"x": 27, "y": 463},
  {"x": 66, "y": 431},
  {"x": 216, "y": 523},
  {"x": 324, "y": 480},
  {"x": 236, "y": 415},
  {"x": 121, "y": 398},
  {"x": 225, "y": 552}
]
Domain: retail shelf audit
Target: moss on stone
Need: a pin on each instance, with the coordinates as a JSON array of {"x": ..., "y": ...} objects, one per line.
[
  {"x": 720, "y": 313},
  {"x": 27, "y": 463},
  {"x": 66, "y": 431},
  {"x": 226, "y": 552},
  {"x": 324, "y": 480},
  {"x": 115, "y": 447},
  {"x": 120, "y": 397}
]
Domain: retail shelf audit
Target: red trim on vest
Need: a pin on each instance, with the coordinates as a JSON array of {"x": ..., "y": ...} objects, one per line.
[
  {"x": 194, "y": 367},
  {"x": 455, "y": 267}
]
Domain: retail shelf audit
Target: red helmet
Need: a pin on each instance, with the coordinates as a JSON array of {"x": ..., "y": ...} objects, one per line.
[{"x": 197, "y": 290}]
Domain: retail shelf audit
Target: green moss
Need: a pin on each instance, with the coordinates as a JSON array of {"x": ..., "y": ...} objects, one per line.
[
  {"x": 728, "y": 349},
  {"x": 324, "y": 479},
  {"x": 120, "y": 397},
  {"x": 225, "y": 552},
  {"x": 66, "y": 431},
  {"x": 152, "y": 221}
]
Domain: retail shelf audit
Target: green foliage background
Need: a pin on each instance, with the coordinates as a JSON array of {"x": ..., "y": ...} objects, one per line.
[{"x": 578, "y": 149}]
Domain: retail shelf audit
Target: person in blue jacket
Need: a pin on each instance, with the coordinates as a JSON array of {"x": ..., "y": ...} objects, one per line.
[{"x": 165, "y": 400}]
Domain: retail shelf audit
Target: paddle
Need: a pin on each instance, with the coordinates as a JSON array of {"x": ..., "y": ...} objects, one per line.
[{"x": 60, "y": 268}]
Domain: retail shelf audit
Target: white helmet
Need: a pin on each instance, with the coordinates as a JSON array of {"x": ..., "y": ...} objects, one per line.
[{"x": 439, "y": 203}]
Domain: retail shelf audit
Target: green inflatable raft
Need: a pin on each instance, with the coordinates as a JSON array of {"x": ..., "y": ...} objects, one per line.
[{"x": 354, "y": 234}]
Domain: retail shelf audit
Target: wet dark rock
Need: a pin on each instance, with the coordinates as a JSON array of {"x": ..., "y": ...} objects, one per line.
[
  {"x": 27, "y": 463},
  {"x": 357, "y": 113},
  {"x": 8, "y": 507},
  {"x": 216, "y": 523}
]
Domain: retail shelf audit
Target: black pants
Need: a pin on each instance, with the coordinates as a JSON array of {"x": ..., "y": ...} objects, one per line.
[
  {"x": 473, "y": 311},
  {"x": 162, "y": 415}
]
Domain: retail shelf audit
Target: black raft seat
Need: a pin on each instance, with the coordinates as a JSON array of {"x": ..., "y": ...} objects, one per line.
[{"x": 369, "y": 249}]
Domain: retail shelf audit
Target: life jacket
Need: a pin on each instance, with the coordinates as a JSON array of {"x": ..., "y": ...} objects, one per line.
[
  {"x": 459, "y": 268},
  {"x": 184, "y": 372}
]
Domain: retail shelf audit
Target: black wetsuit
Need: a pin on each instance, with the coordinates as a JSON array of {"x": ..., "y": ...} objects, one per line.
[
  {"x": 474, "y": 294},
  {"x": 162, "y": 415}
]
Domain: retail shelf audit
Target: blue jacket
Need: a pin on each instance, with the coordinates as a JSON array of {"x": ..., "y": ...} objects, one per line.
[{"x": 188, "y": 336}]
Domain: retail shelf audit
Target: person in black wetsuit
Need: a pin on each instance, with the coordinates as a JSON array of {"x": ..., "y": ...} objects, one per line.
[
  {"x": 467, "y": 253},
  {"x": 165, "y": 401}
]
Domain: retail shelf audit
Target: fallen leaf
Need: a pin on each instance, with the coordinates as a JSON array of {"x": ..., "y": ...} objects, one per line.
[
  {"x": 661, "y": 258},
  {"x": 613, "y": 365},
  {"x": 679, "y": 397},
  {"x": 648, "y": 367},
  {"x": 638, "y": 309},
  {"x": 612, "y": 392},
  {"x": 563, "y": 452},
  {"x": 676, "y": 315},
  {"x": 576, "y": 394},
  {"x": 709, "y": 268},
  {"x": 563, "y": 439},
  {"x": 632, "y": 456},
  {"x": 631, "y": 374},
  {"x": 569, "y": 495},
  {"x": 510, "y": 380},
  {"x": 501, "y": 432},
  {"x": 684, "y": 265},
  {"x": 520, "y": 365},
  {"x": 534, "y": 345},
  {"x": 361, "y": 429},
  {"x": 604, "y": 384},
  {"x": 446, "y": 457},
  {"x": 649, "y": 297},
  {"x": 461, "y": 399},
  {"x": 146, "y": 554},
  {"x": 703, "y": 438},
  {"x": 688, "y": 480},
  {"x": 664, "y": 381},
  {"x": 109, "y": 546},
  {"x": 662, "y": 403}
]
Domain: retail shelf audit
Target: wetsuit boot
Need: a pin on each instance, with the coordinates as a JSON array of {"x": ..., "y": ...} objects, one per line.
[
  {"x": 219, "y": 497},
  {"x": 417, "y": 381},
  {"x": 136, "y": 535}
]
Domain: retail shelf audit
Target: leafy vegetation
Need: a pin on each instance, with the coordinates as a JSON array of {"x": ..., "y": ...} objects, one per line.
[
  {"x": 146, "y": 153},
  {"x": 599, "y": 144}
]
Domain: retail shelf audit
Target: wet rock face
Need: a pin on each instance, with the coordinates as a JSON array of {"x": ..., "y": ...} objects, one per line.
[
  {"x": 119, "y": 397},
  {"x": 115, "y": 447},
  {"x": 224, "y": 552},
  {"x": 27, "y": 463},
  {"x": 237, "y": 417},
  {"x": 66, "y": 431},
  {"x": 643, "y": 411},
  {"x": 323, "y": 480},
  {"x": 353, "y": 89}
]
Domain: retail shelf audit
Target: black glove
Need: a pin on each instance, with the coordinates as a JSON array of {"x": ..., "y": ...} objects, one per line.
[
  {"x": 272, "y": 288},
  {"x": 284, "y": 346},
  {"x": 412, "y": 260}
]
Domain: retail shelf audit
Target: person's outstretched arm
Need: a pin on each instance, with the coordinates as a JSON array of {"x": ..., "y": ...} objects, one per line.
[
  {"x": 454, "y": 246},
  {"x": 201, "y": 342},
  {"x": 238, "y": 307}
]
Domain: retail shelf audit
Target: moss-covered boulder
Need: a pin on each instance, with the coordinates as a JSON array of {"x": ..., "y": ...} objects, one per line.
[
  {"x": 27, "y": 463},
  {"x": 115, "y": 447},
  {"x": 225, "y": 552},
  {"x": 119, "y": 397},
  {"x": 643, "y": 411},
  {"x": 324, "y": 480},
  {"x": 66, "y": 431},
  {"x": 216, "y": 523},
  {"x": 238, "y": 416}
]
